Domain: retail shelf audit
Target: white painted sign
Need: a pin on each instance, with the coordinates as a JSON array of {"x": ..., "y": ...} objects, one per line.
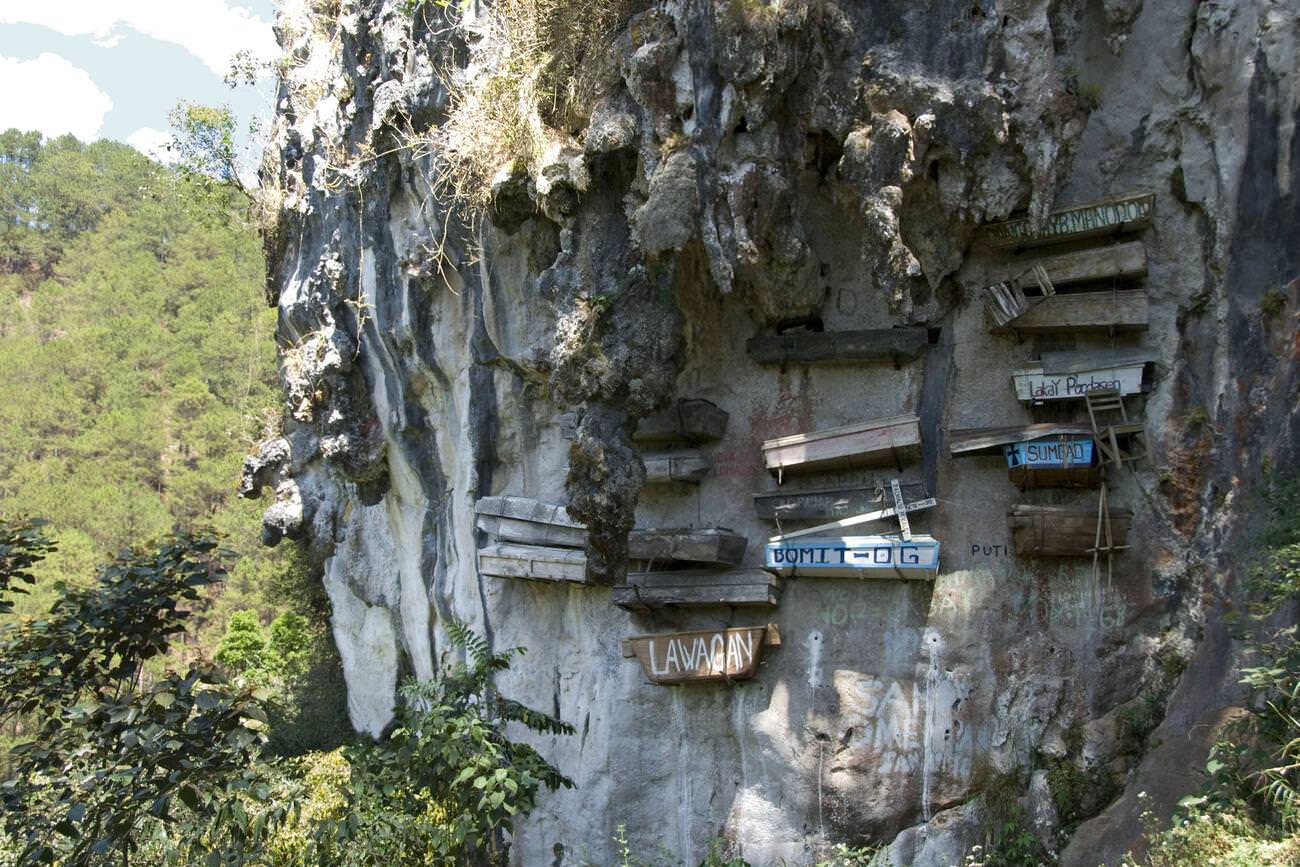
[
  {"x": 1032, "y": 384},
  {"x": 863, "y": 556}
]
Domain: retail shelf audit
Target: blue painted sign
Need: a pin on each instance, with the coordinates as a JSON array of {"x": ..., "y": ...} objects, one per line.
[
  {"x": 1050, "y": 453},
  {"x": 855, "y": 556}
]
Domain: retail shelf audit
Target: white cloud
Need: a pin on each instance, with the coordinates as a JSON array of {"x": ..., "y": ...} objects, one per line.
[
  {"x": 152, "y": 143},
  {"x": 51, "y": 95},
  {"x": 211, "y": 30}
]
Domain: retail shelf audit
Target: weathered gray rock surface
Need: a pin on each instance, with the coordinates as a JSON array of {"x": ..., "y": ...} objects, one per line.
[{"x": 750, "y": 165}]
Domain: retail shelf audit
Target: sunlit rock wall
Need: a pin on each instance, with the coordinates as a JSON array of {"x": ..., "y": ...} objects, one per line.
[{"x": 751, "y": 165}]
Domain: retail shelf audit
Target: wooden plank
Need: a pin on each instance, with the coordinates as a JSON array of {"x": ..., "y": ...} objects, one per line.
[
  {"x": 1061, "y": 531},
  {"x": 873, "y": 442},
  {"x": 1093, "y": 359},
  {"x": 697, "y": 587},
  {"x": 831, "y": 347},
  {"x": 1089, "y": 220},
  {"x": 856, "y": 556},
  {"x": 708, "y": 655},
  {"x": 534, "y": 563},
  {"x": 827, "y": 502},
  {"x": 689, "y": 420},
  {"x": 1036, "y": 385},
  {"x": 990, "y": 440},
  {"x": 1082, "y": 266},
  {"x": 683, "y": 466},
  {"x": 857, "y": 520},
  {"x": 1125, "y": 310},
  {"x": 715, "y": 545}
]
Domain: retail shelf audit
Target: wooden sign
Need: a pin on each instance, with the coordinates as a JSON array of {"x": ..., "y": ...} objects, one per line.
[
  {"x": 715, "y": 545},
  {"x": 1070, "y": 376},
  {"x": 1060, "y": 452},
  {"x": 710, "y": 655},
  {"x": 533, "y": 563},
  {"x": 856, "y": 556},
  {"x": 1107, "y": 217},
  {"x": 827, "y": 502},
  {"x": 831, "y": 347},
  {"x": 1120, "y": 310},
  {"x": 685, "y": 466},
  {"x": 873, "y": 442},
  {"x": 519, "y": 519},
  {"x": 688, "y": 420},
  {"x": 696, "y": 588},
  {"x": 1062, "y": 531}
]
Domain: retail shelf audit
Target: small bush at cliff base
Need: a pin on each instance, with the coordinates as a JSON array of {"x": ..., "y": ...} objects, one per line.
[
  {"x": 445, "y": 787},
  {"x": 115, "y": 762}
]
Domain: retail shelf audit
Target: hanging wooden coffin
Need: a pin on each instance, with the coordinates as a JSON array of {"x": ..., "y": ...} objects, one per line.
[
  {"x": 709, "y": 655},
  {"x": 856, "y": 556},
  {"x": 662, "y": 468},
  {"x": 687, "y": 421},
  {"x": 1082, "y": 266},
  {"x": 1071, "y": 375},
  {"x": 534, "y": 563},
  {"x": 1106, "y": 217},
  {"x": 693, "y": 588},
  {"x": 1063, "y": 461},
  {"x": 1062, "y": 531},
  {"x": 713, "y": 545},
  {"x": 519, "y": 519},
  {"x": 831, "y": 347},
  {"x": 827, "y": 502},
  {"x": 890, "y": 440},
  {"x": 1121, "y": 310},
  {"x": 963, "y": 442}
]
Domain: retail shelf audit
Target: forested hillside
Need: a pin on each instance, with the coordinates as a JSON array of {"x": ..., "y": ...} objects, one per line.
[{"x": 139, "y": 364}]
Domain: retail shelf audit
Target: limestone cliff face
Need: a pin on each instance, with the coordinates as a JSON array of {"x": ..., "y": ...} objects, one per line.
[{"x": 742, "y": 168}]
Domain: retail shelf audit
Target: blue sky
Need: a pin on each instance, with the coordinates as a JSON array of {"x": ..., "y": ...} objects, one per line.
[{"x": 115, "y": 68}]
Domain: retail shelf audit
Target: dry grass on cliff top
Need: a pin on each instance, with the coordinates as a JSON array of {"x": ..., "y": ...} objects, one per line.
[{"x": 535, "y": 70}]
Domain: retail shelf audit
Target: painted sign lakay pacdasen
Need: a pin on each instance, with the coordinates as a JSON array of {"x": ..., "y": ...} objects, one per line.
[
  {"x": 856, "y": 556},
  {"x": 1035, "y": 384},
  {"x": 1054, "y": 453},
  {"x": 709, "y": 655}
]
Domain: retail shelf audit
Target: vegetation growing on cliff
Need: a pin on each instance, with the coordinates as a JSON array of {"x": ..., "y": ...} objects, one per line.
[{"x": 545, "y": 59}]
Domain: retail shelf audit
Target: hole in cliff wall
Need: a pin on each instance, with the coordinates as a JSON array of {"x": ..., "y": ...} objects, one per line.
[
  {"x": 741, "y": 126},
  {"x": 802, "y": 323},
  {"x": 933, "y": 335},
  {"x": 822, "y": 151}
]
